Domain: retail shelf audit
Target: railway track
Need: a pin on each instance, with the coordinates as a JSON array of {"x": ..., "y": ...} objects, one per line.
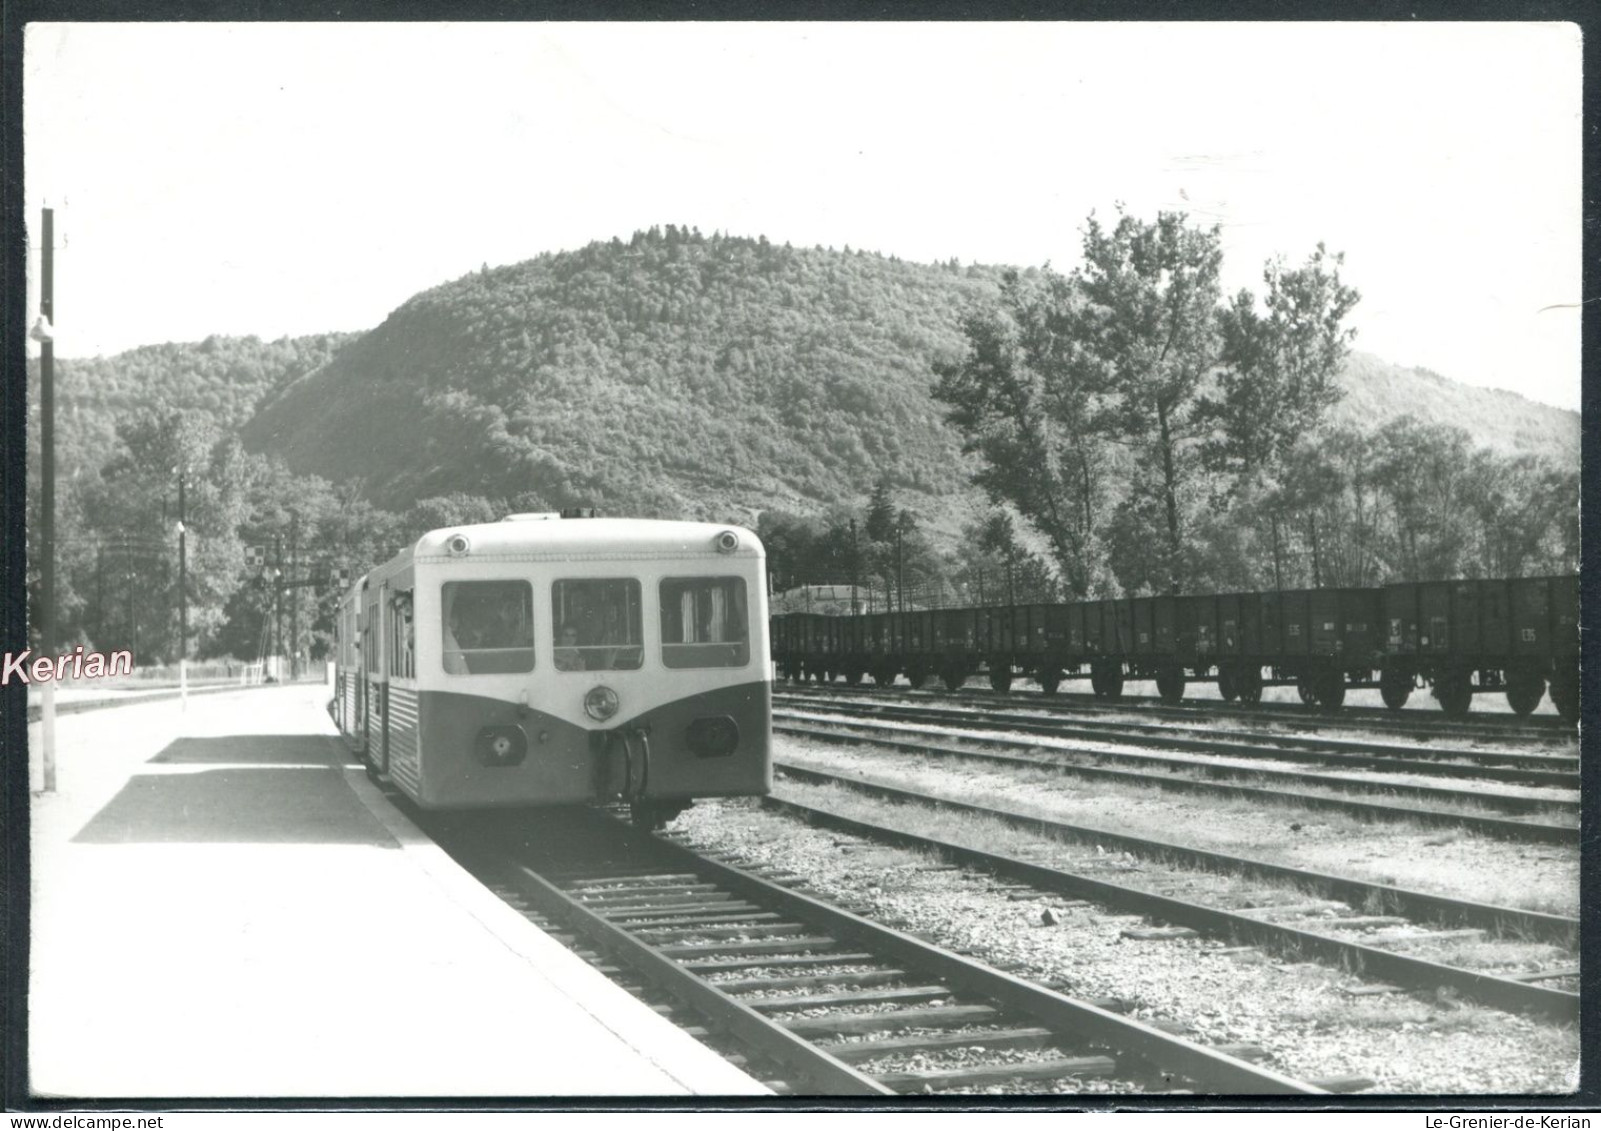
[
  {"x": 1354, "y": 924},
  {"x": 827, "y": 1000},
  {"x": 1062, "y": 760},
  {"x": 1420, "y": 724},
  {"x": 1553, "y": 770}
]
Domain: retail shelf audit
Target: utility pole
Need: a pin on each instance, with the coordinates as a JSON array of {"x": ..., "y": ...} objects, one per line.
[
  {"x": 44, "y": 331},
  {"x": 856, "y": 566},
  {"x": 294, "y": 597},
  {"x": 1278, "y": 582},
  {"x": 183, "y": 597},
  {"x": 100, "y": 592},
  {"x": 278, "y": 598},
  {"x": 127, "y": 595},
  {"x": 900, "y": 573},
  {"x": 1317, "y": 572}
]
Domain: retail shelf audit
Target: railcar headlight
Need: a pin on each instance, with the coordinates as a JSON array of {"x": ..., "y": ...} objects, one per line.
[
  {"x": 501, "y": 746},
  {"x": 727, "y": 542},
  {"x": 601, "y": 703},
  {"x": 457, "y": 545},
  {"x": 713, "y": 737}
]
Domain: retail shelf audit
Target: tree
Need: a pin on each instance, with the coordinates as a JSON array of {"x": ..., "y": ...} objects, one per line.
[
  {"x": 1031, "y": 417},
  {"x": 1145, "y": 335},
  {"x": 1104, "y": 406},
  {"x": 879, "y": 521},
  {"x": 1000, "y": 567},
  {"x": 1279, "y": 369}
]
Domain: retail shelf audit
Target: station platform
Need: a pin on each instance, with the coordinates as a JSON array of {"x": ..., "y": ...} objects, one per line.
[{"x": 224, "y": 907}]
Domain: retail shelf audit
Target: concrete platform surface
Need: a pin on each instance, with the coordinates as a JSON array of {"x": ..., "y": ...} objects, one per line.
[{"x": 224, "y": 907}]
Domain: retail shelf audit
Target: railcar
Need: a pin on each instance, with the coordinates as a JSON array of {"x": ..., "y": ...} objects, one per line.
[
  {"x": 1517, "y": 636},
  {"x": 550, "y": 660}
]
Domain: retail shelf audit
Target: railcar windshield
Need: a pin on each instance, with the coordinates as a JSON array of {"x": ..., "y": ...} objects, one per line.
[
  {"x": 597, "y": 624},
  {"x": 488, "y": 627},
  {"x": 704, "y": 622}
]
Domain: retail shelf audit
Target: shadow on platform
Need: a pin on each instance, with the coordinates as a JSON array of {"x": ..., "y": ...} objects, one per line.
[{"x": 239, "y": 789}]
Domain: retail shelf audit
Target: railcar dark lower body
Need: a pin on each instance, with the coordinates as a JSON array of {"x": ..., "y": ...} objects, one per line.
[{"x": 447, "y": 750}]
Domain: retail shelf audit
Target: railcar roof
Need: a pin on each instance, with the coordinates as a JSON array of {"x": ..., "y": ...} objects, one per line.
[{"x": 599, "y": 537}]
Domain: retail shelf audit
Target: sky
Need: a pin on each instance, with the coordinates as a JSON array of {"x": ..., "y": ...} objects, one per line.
[{"x": 287, "y": 179}]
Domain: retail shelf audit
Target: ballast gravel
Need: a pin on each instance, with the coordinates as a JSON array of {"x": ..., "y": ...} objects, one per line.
[
  {"x": 1446, "y": 861},
  {"x": 1300, "y": 1013},
  {"x": 1357, "y": 785}
]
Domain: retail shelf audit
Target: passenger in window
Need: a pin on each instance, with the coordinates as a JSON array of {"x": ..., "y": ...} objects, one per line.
[
  {"x": 505, "y": 630},
  {"x": 568, "y": 656},
  {"x": 455, "y": 662}
]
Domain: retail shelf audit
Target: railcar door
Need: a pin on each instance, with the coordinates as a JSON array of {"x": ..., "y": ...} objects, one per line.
[
  {"x": 361, "y": 648},
  {"x": 372, "y": 658}
]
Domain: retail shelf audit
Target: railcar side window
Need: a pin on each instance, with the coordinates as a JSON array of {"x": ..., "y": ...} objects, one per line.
[
  {"x": 402, "y": 642},
  {"x": 488, "y": 627},
  {"x": 704, "y": 622},
  {"x": 597, "y": 624}
]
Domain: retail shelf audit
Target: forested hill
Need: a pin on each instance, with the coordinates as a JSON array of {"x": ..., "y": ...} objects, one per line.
[
  {"x": 674, "y": 374},
  {"x": 220, "y": 380},
  {"x": 1508, "y": 424}
]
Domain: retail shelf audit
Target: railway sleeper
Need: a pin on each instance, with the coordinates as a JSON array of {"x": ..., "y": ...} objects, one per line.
[
  {"x": 714, "y": 965},
  {"x": 803, "y": 981},
  {"x": 643, "y": 891},
  {"x": 849, "y": 997},
  {"x": 1024, "y": 1038},
  {"x": 937, "y": 1079},
  {"x": 936, "y": 1017},
  {"x": 761, "y": 931},
  {"x": 645, "y": 922},
  {"x": 572, "y": 880},
  {"x": 795, "y": 945},
  {"x": 689, "y": 899},
  {"x": 662, "y": 910}
]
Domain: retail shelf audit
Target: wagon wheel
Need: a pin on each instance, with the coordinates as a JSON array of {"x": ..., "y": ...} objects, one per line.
[
  {"x": 1331, "y": 690},
  {"x": 1395, "y": 687},
  {"x": 1249, "y": 685},
  {"x": 1000, "y": 677},
  {"x": 1455, "y": 693},
  {"x": 1112, "y": 681},
  {"x": 953, "y": 676},
  {"x": 1049, "y": 680},
  {"x": 1304, "y": 688},
  {"x": 917, "y": 677},
  {"x": 884, "y": 677},
  {"x": 1226, "y": 686},
  {"x": 1170, "y": 684},
  {"x": 1565, "y": 692},
  {"x": 1524, "y": 690}
]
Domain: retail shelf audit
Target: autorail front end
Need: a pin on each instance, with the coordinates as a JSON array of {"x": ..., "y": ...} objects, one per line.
[{"x": 562, "y": 662}]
